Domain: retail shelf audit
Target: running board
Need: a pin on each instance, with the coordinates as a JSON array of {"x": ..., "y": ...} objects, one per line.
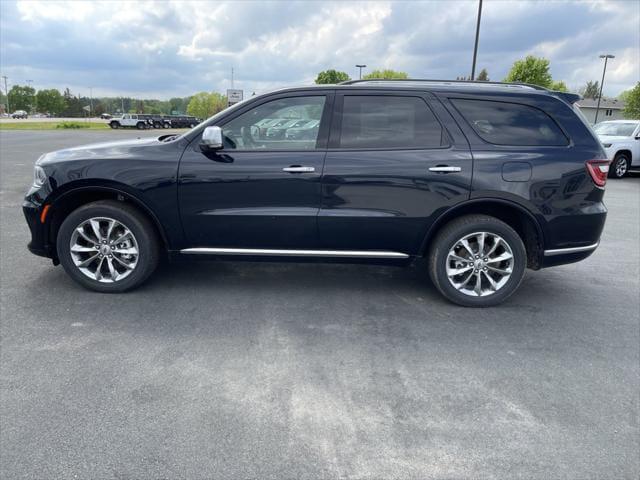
[{"x": 294, "y": 253}]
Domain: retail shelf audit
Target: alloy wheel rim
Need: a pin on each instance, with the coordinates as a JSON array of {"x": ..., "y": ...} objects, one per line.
[
  {"x": 621, "y": 167},
  {"x": 104, "y": 249},
  {"x": 479, "y": 264}
]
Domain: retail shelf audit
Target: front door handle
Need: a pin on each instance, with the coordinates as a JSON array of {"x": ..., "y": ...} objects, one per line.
[
  {"x": 445, "y": 169},
  {"x": 298, "y": 169}
]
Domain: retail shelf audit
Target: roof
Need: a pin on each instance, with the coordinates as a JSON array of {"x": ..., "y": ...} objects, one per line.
[
  {"x": 613, "y": 104},
  {"x": 462, "y": 86},
  {"x": 626, "y": 120}
]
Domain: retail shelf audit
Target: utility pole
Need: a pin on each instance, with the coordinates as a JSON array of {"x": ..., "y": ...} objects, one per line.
[
  {"x": 475, "y": 47},
  {"x": 30, "y": 83},
  {"x": 231, "y": 78},
  {"x": 360, "y": 67},
  {"x": 6, "y": 92},
  {"x": 91, "y": 101},
  {"x": 122, "y": 100},
  {"x": 604, "y": 70}
]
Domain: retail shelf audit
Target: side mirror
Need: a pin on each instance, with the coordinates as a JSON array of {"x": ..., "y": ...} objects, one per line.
[{"x": 211, "y": 138}]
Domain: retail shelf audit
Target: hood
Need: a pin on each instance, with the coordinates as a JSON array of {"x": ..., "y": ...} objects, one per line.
[{"x": 117, "y": 149}]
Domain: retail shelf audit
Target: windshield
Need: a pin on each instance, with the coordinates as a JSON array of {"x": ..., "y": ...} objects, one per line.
[{"x": 615, "y": 129}]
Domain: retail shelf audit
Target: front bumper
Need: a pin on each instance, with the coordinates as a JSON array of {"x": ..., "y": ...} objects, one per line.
[{"x": 39, "y": 244}]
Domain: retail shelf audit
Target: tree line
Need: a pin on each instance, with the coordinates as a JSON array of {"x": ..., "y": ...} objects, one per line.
[
  {"x": 67, "y": 104},
  {"x": 533, "y": 70}
]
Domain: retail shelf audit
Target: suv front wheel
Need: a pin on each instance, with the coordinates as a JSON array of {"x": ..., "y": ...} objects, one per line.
[
  {"x": 477, "y": 261},
  {"x": 620, "y": 166},
  {"x": 108, "y": 246}
]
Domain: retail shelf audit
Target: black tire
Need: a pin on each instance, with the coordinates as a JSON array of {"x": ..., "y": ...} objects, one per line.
[
  {"x": 620, "y": 166},
  {"x": 114, "y": 125},
  {"x": 140, "y": 125},
  {"x": 458, "y": 229},
  {"x": 191, "y": 125},
  {"x": 139, "y": 225}
]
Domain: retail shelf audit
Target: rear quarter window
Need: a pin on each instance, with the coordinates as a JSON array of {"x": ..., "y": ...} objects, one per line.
[{"x": 505, "y": 123}]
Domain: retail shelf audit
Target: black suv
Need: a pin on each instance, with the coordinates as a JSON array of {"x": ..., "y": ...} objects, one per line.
[
  {"x": 183, "y": 121},
  {"x": 482, "y": 179}
]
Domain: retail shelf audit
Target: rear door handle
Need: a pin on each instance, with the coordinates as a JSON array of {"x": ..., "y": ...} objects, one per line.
[
  {"x": 298, "y": 169},
  {"x": 445, "y": 169}
]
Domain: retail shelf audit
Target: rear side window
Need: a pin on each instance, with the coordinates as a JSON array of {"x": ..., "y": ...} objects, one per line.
[
  {"x": 379, "y": 121},
  {"x": 505, "y": 123}
]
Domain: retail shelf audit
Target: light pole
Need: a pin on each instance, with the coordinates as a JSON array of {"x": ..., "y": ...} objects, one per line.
[
  {"x": 360, "y": 67},
  {"x": 475, "y": 47},
  {"x": 6, "y": 91},
  {"x": 30, "y": 83},
  {"x": 606, "y": 57}
]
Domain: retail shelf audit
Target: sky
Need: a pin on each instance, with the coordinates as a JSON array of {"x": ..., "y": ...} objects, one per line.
[{"x": 176, "y": 48}]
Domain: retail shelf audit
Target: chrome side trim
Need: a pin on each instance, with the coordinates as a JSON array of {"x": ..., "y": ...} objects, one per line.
[
  {"x": 445, "y": 169},
  {"x": 562, "y": 251},
  {"x": 294, "y": 253}
]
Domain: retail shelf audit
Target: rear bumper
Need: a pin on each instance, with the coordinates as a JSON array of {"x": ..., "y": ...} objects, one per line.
[{"x": 561, "y": 256}]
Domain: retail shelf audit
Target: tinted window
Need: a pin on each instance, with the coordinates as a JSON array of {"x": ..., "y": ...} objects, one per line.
[
  {"x": 505, "y": 123},
  {"x": 370, "y": 121},
  {"x": 283, "y": 124}
]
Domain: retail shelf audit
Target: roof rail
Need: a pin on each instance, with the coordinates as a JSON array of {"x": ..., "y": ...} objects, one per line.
[{"x": 446, "y": 82}]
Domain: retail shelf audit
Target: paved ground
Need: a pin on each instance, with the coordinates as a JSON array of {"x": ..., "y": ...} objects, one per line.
[{"x": 240, "y": 370}]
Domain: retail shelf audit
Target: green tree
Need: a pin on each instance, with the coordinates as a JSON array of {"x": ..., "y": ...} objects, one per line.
[
  {"x": 483, "y": 76},
  {"x": 21, "y": 98},
  {"x": 531, "y": 70},
  {"x": 178, "y": 104},
  {"x": 624, "y": 96},
  {"x": 332, "y": 77},
  {"x": 559, "y": 86},
  {"x": 204, "y": 104},
  {"x": 387, "y": 74},
  {"x": 632, "y": 102},
  {"x": 590, "y": 90},
  {"x": 50, "y": 101}
]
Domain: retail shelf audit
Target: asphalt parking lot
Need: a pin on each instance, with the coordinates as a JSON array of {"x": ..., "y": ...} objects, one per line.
[{"x": 264, "y": 370}]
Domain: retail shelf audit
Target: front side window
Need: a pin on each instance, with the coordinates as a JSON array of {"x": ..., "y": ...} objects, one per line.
[
  {"x": 372, "y": 121},
  {"x": 503, "y": 123},
  {"x": 284, "y": 124}
]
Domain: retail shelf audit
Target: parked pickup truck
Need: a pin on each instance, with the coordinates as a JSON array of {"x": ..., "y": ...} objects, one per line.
[
  {"x": 621, "y": 141},
  {"x": 129, "y": 120}
]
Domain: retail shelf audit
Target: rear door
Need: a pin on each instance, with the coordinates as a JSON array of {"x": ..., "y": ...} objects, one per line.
[
  {"x": 396, "y": 161},
  {"x": 257, "y": 192}
]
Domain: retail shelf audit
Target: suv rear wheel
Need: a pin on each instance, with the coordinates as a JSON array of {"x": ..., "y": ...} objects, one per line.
[
  {"x": 620, "y": 166},
  {"x": 477, "y": 261},
  {"x": 108, "y": 246}
]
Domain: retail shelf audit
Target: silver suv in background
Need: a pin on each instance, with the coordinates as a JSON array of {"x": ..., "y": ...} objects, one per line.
[{"x": 621, "y": 141}]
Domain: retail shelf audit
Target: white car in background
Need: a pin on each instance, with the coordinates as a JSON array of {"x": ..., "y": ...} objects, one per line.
[{"x": 621, "y": 141}]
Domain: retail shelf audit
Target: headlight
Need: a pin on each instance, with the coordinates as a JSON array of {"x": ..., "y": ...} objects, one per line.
[
  {"x": 39, "y": 177},
  {"x": 606, "y": 145}
]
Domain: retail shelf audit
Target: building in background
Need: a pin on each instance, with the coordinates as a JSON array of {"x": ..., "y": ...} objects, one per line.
[{"x": 610, "y": 109}]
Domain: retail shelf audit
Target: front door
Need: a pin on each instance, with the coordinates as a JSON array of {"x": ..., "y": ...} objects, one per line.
[
  {"x": 262, "y": 190},
  {"x": 391, "y": 169}
]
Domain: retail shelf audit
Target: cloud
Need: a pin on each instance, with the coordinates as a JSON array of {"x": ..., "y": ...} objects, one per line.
[{"x": 172, "y": 48}]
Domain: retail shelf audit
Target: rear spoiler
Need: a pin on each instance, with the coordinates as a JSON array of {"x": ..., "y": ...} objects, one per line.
[{"x": 570, "y": 98}]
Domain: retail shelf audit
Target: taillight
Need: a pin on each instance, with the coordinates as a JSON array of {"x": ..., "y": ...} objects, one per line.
[{"x": 598, "y": 169}]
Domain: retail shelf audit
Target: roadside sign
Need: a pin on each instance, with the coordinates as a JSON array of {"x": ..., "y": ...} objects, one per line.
[{"x": 234, "y": 96}]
